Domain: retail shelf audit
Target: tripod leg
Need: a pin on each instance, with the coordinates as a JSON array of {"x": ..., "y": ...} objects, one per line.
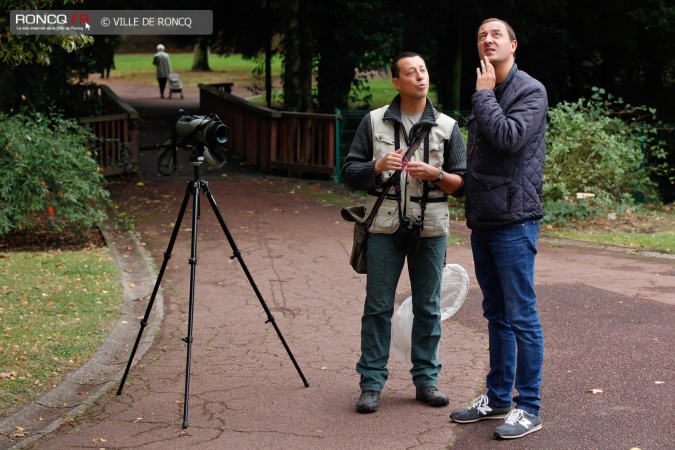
[
  {"x": 167, "y": 256},
  {"x": 193, "y": 271},
  {"x": 237, "y": 255}
]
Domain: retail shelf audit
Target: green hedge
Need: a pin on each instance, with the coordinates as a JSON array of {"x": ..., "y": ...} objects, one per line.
[
  {"x": 604, "y": 147},
  {"x": 48, "y": 175}
]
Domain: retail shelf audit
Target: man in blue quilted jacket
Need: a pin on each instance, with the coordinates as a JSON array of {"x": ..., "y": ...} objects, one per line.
[{"x": 503, "y": 182}]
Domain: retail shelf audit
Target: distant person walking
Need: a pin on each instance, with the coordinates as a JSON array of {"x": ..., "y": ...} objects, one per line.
[
  {"x": 162, "y": 62},
  {"x": 104, "y": 49}
]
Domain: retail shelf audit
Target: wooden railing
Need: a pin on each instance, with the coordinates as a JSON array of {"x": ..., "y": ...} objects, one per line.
[
  {"x": 116, "y": 129},
  {"x": 271, "y": 140}
]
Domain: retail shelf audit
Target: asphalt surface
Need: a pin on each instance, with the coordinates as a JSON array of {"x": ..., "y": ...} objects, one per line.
[{"x": 608, "y": 318}]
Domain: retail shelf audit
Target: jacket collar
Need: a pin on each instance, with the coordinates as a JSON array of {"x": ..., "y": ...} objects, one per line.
[
  {"x": 501, "y": 86},
  {"x": 393, "y": 112}
]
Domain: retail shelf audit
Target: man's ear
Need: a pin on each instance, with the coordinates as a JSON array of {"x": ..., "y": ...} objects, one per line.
[{"x": 394, "y": 81}]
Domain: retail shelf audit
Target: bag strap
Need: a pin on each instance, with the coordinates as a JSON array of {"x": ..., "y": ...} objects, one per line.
[
  {"x": 387, "y": 186},
  {"x": 426, "y": 185}
]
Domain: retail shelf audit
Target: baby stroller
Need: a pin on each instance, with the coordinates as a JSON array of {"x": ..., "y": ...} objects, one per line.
[{"x": 175, "y": 85}]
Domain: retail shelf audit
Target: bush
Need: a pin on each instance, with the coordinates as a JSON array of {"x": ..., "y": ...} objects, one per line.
[
  {"x": 602, "y": 146},
  {"x": 570, "y": 212},
  {"x": 49, "y": 176}
]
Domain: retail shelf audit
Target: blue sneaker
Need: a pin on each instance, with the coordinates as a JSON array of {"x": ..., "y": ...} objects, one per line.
[
  {"x": 518, "y": 424},
  {"x": 480, "y": 409}
]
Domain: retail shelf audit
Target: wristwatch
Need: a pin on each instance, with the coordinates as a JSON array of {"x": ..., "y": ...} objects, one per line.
[{"x": 440, "y": 174}]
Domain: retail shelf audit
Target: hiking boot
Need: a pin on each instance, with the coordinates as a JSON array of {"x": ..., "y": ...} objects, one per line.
[
  {"x": 368, "y": 402},
  {"x": 431, "y": 396},
  {"x": 480, "y": 409},
  {"x": 518, "y": 424}
]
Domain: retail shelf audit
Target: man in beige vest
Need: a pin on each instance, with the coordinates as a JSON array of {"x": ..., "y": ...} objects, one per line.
[{"x": 411, "y": 225}]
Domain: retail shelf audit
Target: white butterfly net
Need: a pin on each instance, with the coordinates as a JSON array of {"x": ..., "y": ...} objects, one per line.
[{"x": 454, "y": 288}]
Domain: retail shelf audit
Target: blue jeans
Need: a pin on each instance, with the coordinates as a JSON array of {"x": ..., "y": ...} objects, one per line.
[
  {"x": 504, "y": 261},
  {"x": 425, "y": 268}
]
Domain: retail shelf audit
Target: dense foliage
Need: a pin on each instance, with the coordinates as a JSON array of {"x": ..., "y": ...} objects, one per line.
[
  {"x": 49, "y": 176},
  {"x": 37, "y": 72},
  {"x": 603, "y": 147},
  {"x": 16, "y": 50}
]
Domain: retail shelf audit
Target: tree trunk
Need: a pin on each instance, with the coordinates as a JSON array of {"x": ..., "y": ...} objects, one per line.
[
  {"x": 334, "y": 79},
  {"x": 299, "y": 52},
  {"x": 268, "y": 73},
  {"x": 200, "y": 57},
  {"x": 449, "y": 85}
]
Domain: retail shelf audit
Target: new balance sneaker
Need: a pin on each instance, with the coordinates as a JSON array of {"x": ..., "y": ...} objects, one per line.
[
  {"x": 518, "y": 424},
  {"x": 480, "y": 409}
]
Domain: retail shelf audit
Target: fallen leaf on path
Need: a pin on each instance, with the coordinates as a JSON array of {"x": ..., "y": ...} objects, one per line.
[{"x": 19, "y": 432}]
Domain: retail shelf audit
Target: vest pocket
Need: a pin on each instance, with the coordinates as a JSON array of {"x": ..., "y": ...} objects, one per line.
[
  {"x": 386, "y": 220},
  {"x": 436, "y": 219},
  {"x": 436, "y": 153},
  {"x": 385, "y": 139}
]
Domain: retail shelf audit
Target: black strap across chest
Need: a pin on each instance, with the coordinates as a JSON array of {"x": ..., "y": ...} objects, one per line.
[{"x": 397, "y": 183}]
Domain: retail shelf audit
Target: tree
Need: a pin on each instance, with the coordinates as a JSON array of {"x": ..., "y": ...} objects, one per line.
[
  {"x": 16, "y": 50},
  {"x": 298, "y": 44},
  {"x": 349, "y": 49},
  {"x": 200, "y": 59},
  {"x": 255, "y": 33},
  {"x": 438, "y": 31},
  {"x": 628, "y": 51}
]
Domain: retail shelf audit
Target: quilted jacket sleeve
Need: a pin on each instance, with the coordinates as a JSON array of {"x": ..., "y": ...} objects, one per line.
[{"x": 526, "y": 105}]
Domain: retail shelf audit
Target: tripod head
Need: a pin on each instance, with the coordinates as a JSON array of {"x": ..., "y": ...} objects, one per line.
[{"x": 203, "y": 135}]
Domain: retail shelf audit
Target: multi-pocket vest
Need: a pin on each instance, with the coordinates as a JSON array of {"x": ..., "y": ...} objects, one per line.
[{"x": 436, "y": 215}]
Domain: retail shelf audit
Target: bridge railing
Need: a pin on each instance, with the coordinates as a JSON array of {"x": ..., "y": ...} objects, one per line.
[
  {"x": 115, "y": 145},
  {"x": 271, "y": 140}
]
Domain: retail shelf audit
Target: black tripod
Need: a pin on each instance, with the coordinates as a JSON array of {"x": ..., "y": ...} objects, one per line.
[{"x": 194, "y": 188}]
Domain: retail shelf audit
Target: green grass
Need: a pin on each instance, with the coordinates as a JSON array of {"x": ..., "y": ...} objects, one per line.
[
  {"x": 138, "y": 68},
  {"x": 55, "y": 310},
  {"x": 641, "y": 228},
  {"x": 183, "y": 62},
  {"x": 663, "y": 242},
  {"x": 649, "y": 228}
]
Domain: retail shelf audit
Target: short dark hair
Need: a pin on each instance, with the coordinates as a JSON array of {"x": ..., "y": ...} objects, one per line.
[
  {"x": 394, "y": 64},
  {"x": 509, "y": 28}
]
